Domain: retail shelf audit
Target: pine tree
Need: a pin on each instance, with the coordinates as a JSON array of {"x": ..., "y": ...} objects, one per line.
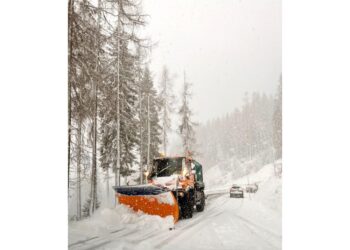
[
  {"x": 167, "y": 105},
  {"x": 95, "y": 88},
  {"x": 277, "y": 122},
  {"x": 151, "y": 129},
  {"x": 119, "y": 135},
  {"x": 128, "y": 125},
  {"x": 139, "y": 82},
  {"x": 83, "y": 77},
  {"x": 105, "y": 109},
  {"x": 186, "y": 127},
  {"x": 244, "y": 134}
]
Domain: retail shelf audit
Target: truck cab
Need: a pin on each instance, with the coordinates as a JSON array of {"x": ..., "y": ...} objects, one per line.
[{"x": 184, "y": 177}]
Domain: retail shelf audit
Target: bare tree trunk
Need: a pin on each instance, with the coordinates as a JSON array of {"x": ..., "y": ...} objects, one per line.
[
  {"x": 70, "y": 22},
  {"x": 165, "y": 117},
  {"x": 186, "y": 112},
  {"x": 149, "y": 133},
  {"x": 69, "y": 127},
  {"x": 93, "y": 191},
  {"x": 79, "y": 171},
  {"x": 107, "y": 182},
  {"x": 164, "y": 142},
  {"x": 117, "y": 172},
  {"x": 118, "y": 126},
  {"x": 141, "y": 146},
  {"x": 93, "y": 194}
]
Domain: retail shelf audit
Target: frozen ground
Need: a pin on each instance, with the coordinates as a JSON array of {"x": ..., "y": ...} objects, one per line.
[{"x": 226, "y": 223}]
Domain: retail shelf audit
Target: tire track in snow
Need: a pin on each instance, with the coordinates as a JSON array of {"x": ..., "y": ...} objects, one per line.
[
  {"x": 98, "y": 241},
  {"x": 201, "y": 223},
  {"x": 216, "y": 205},
  {"x": 177, "y": 233},
  {"x": 196, "y": 222},
  {"x": 82, "y": 241},
  {"x": 168, "y": 237},
  {"x": 259, "y": 230},
  {"x": 253, "y": 230},
  {"x": 255, "y": 225}
]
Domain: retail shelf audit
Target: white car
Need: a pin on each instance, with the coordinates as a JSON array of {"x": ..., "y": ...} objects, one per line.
[
  {"x": 236, "y": 191},
  {"x": 252, "y": 188}
]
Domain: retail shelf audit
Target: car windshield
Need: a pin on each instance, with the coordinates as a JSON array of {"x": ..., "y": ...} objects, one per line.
[
  {"x": 235, "y": 187},
  {"x": 167, "y": 167}
]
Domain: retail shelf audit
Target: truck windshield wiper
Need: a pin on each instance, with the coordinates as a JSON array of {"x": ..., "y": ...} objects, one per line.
[{"x": 163, "y": 169}]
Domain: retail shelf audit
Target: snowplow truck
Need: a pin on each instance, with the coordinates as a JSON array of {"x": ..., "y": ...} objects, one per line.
[{"x": 175, "y": 187}]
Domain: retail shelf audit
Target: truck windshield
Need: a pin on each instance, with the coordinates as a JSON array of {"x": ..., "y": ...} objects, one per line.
[{"x": 167, "y": 167}]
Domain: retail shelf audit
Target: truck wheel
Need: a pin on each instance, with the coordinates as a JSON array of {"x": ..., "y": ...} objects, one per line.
[
  {"x": 186, "y": 210},
  {"x": 200, "y": 207}
]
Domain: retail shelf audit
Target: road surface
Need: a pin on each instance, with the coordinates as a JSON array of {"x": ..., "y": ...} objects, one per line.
[{"x": 226, "y": 223}]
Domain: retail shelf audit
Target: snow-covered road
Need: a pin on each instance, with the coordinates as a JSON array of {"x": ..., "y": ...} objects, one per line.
[
  {"x": 226, "y": 223},
  {"x": 251, "y": 223}
]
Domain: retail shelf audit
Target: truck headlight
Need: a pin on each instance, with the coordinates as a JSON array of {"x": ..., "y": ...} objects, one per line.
[{"x": 184, "y": 172}]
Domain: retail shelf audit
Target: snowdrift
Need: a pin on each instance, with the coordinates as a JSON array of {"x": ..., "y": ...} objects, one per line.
[{"x": 108, "y": 220}]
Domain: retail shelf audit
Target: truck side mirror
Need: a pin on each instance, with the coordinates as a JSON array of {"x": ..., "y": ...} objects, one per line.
[{"x": 192, "y": 165}]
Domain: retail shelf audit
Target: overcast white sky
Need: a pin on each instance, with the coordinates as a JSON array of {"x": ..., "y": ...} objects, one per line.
[{"x": 227, "y": 47}]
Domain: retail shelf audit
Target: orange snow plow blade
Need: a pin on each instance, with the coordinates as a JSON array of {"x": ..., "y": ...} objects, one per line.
[{"x": 149, "y": 199}]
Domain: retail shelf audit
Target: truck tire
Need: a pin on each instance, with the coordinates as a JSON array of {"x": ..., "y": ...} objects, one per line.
[
  {"x": 186, "y": 210},
  {"x": 200, "y": 207}
]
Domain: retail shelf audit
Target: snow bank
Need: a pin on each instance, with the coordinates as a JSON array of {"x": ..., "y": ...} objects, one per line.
[
  {"x": 107, "y": 220},
  {"x": 270, "y": 186},
  {"x": 270, "y": 193}
]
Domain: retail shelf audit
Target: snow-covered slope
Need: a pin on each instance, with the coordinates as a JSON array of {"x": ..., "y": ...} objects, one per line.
[
  {"x": 270, "y": 187},
  {"x": 226, "y": 173},
  {"x": 270, "y": 193}
]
